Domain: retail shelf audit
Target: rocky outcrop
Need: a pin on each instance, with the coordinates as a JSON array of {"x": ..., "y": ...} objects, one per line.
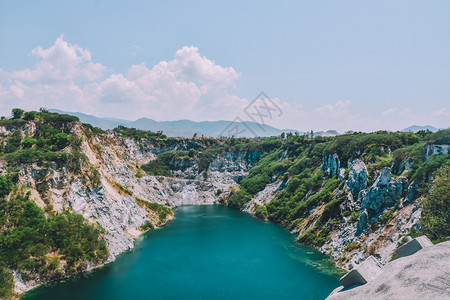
[
  {"x": 424, "y": 275},
  {"x": 435, "y": 149},
  {"x": 357, "y": 177},
  {"x": 330, "y": 164},
  {"x": 232, "y": 167},
  {"x": 384, "y": 192}
]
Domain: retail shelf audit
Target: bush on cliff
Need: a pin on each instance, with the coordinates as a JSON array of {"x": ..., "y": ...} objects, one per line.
[
  {"x": 436, "y": 207},
  {"x": 239, "y": 199}
]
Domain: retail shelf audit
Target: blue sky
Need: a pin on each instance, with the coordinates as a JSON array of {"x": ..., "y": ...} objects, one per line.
[{"x": 360, "y": 65}]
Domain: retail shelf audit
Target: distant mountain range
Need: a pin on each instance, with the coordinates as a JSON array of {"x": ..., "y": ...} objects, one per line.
[
  {"x": 416, "y": 128},
  {"x": 187, "y": 128}
]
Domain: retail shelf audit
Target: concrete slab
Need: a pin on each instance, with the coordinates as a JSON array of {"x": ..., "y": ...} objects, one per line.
[
  {"x": 365, "y": 272},
  {"x": 413, "y": 246}
]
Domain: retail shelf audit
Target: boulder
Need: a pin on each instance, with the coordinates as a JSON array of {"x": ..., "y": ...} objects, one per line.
[
  {"x": 365, "y": 272},
  {"x": 414, "y": 245}
]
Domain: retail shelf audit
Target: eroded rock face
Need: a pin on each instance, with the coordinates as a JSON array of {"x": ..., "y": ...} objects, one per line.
[
  {"x": 384, "y": 192},
  {"x": 331, "y": 164},
  {"x": 435, "y": 149},
  {"x": 232, "y": 167},
  {"x": 400, "y": 166},
  {"x": 357, "y": 178}
]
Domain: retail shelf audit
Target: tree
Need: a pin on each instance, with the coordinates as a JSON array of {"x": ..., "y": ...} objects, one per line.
[
  {"x": 5, "y": 186},
  {"x": 61, "y": 140},
  {"x": 17, "y": 113},
  {"x": 29, "y": 115}
]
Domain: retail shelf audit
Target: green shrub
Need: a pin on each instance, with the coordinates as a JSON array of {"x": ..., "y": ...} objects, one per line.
[
  {"x": 13, "y": 142},
  {"x": 156, "y": 167},
  {"x": 352, "y": 246},
  {"x": 239, "y": 199},
  {"x": 261, "y": 212},
  {"x": 161, "y": 210},
  {"x": 58, "y": 118},
  {"x": 122, "y": 189},
  {"x": 6, "y": 283},
  {"x": 61, "y": 140},
  {"x": 354, "y": 217},
  {"x": 30, "y": 115},
  {"x": 28, "y": 142},
  {"x": 315, "y": 236},
  {"x": 436, "y": 207}
]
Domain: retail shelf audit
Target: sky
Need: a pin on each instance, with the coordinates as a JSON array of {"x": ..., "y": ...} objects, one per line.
[{"x": 341, "y": 65}]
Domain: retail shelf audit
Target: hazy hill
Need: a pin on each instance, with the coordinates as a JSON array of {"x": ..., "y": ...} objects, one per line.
[
  {"x": 186, "y": 128},
  {"x": 416, "y": 128}
]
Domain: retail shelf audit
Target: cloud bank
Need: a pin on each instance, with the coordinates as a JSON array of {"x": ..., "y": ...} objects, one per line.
[{"x": 189, "y": 86}]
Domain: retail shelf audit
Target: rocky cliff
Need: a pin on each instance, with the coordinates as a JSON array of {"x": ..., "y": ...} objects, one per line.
[{"x": 350, "y": 196}]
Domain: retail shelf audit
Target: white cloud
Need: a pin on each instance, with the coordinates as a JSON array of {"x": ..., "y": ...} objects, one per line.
[
  {"x": 443, "y": 112},
  {"x": 389, "y": 111},
  {"x": 189, "y": 86},
  {"x": 61, "y": 62},
  {"x": 338, "y": 109}
]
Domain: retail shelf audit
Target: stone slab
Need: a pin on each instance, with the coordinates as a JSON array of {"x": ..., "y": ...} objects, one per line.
[
  {"x": 365, "y": 272},
  {"x": 413, "y": 246}
]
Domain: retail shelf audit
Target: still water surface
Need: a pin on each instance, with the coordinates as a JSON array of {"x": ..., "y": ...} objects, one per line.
[{"x": 207, "y": 252}]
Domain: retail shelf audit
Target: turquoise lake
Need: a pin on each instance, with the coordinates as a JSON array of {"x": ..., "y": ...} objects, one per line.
[{"x": 206, "y": 252}]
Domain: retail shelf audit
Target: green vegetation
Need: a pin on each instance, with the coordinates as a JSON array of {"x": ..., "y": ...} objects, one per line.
[
  {"x": 161, "y": 210},
  {"x": 123, "y": 190},
  {"x": 45, "y": 145},
  {"x": 354, "y": 217},
  {"x": 352, "y": 246},
  {"x": 6, "y": 283},
  {"x": 239, "y": 199},
  {"x": 29, "y": 239},
  {"x": 261, "y": 212},
  {"x": 261, "y": 174},
  {"x": 156, "y": 167},
  {"x": 17, "y": 113},
  {"x": 436, "y": 207},
  {"x": 90, "y": 130},
  {"x": 140, "y": 134},
  {"x": 315, "y": 236},
  {"x": 147, "y": 226}
]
